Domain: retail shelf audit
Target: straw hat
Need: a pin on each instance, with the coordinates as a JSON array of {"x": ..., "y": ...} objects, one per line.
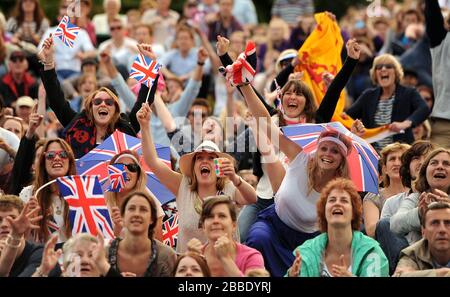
[{"x": 206, "y": 146}]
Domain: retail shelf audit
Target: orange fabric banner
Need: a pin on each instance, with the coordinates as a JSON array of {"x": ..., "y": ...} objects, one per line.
[{"x": 321, "y": 52}]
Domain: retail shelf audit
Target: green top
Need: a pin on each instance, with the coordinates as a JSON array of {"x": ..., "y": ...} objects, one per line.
[{"x": 367, "y": 257}]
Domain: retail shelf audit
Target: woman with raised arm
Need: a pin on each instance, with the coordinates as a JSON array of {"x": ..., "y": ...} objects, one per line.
[
  {"x": 196, "y": 181},
  {"x": 298, "y": 106},
  {"x": 341, "y": 250},
  {"x": 101, "y": 115},
  {"x": 291, "y": 220}
]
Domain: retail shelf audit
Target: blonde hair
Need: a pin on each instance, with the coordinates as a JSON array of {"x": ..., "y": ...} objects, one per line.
[{"x": 386, "y": 58}]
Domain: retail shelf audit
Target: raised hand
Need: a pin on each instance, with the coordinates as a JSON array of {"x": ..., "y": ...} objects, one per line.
[
  {"x": 296, "y": 267},
  {"x": 331, "y": 16},
  {"x": 50, "y": 256},
  {"x": 25, "y": 221},
  {"x": 99, "y": 255},
  {"x": 144, "y": 114},
  {"x": 117, "y": 220},
  {"x": 48, "y": 51},
  {"x": 195, "y": 245},
  {"x": 105, "y": 56},
  {"x": 34, "y": 121},
  {"x": 222, "y": 45},
  {"x": 223, "y": 247},
  {"x": 146, "y": 50},
  {"x": 353, "y": 49},
  {"x": 202, "y": 55}
]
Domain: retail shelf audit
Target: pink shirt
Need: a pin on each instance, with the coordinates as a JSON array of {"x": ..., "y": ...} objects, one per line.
[{"x": 248, "y": 258}]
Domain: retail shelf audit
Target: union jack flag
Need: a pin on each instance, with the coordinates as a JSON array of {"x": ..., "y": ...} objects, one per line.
[
  {"x": 243, "y": 70},
  {"x": 67, "y": 31},
  {"x": 117, "y": 176},
  {"x": 95, "y": 162},
  {"x": 87, "y": 206},
  {"x": 144, "y": 70},
  {"x": 170, "y": 231}
]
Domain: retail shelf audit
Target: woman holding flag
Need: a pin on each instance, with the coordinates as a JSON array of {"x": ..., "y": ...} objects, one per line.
[
  {"x": 196, "y": 181},
  {"x": 135, "y": 180},
  {"x": 56, "y": 160},
  {"x": 280, "y": 228},
  {"x": 101, "y": 115}
]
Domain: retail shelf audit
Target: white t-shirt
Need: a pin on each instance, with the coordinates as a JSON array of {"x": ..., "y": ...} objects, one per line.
[
  {"x": 13, "y": 141},
  {"x": 124, "y": 54},
  {"x": 293, "y": 205},
  {"x": 65, "y": 57}
]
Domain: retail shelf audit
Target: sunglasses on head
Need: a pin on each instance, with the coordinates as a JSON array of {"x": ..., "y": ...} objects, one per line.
[
  {"x": 50, "y": 155},
  {"x": 380, "y": 66},
  {"x": 131, "y": 167},
  {"x": 98, "y": 101}
]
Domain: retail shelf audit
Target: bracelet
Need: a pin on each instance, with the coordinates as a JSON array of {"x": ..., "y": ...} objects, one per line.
[
  {"x": 240, "y": 182},
  {"x": 200, "y": 63},
  {"x": 16, "y": 242},
  {"x": 39, "y": 272}
]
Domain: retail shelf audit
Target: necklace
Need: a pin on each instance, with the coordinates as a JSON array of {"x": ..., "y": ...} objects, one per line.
[{"x": 58, "y": 206}]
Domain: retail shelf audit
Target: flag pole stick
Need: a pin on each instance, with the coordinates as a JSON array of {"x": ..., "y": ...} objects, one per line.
[
  {"x": 148, "y": 94},
  {"x": 38, "y": 190}
]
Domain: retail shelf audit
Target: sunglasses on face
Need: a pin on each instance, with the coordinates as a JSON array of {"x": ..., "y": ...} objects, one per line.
[
  {"x": 98, "y": 101},
  {"x": 115, "y": 28},
  {"x": 131, "y": 167},
  {"x": 50, "y": 155},
  {"x": 17, "y": 59},
  {"x": 380, "y": 66}
]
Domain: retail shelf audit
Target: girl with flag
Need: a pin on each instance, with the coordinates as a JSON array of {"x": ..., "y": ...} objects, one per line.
[
  {"x": 196, "y": 181},
  {"x": 135, "y": 180},
  {"x": 297, "y": 106},
  {"x": 56, "y": 160},
  {"x": 101, "y": 115},
  {"x": 291, "y": 220}
]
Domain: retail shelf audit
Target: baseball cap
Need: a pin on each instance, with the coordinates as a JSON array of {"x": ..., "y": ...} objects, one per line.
[
  {"x": 25, "y": 101},
  {"x": 87, "y": 61}
]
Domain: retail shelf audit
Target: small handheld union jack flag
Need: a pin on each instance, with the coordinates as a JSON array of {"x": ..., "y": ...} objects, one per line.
[
  {"x": 170, "y": 231},
  {"x": 117, "y": 176},
  {"x": 144, "y": 70},
  {"x": 87, "y": 206},
  {"x": 67, "y": 32}
]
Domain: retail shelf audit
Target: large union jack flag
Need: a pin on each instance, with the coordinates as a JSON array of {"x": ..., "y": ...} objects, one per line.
[
  {"x": 87, "y": 206},
  {"x": 117, "y": 176},
  {"x": 170, "y": 231},
  {"x": 363, "y": 159},
  {"x": 67, "y": 31},
  {"x": 96, "y": 161},
  {"x": 144, "y": 70}
]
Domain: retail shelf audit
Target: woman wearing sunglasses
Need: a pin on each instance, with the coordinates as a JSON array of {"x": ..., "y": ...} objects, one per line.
[
  {"x": 56, "y": 160},
  {"x": 389, "y": 103},
  {"x": 101, "y": 115},
  {"x": 135, "y": 180}
]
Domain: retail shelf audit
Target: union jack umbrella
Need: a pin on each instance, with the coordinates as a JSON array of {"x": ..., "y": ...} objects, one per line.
[
  {"x": 87, "y": 206},
  {"x": 117, "y": 176},
  {"x": 96, "y": 161},
  {"x": 170, "y": 231},
  {"x": 67, "y": 31},
  {"x": 144, "y": 70},
  {"x": 363, "y": 159}
]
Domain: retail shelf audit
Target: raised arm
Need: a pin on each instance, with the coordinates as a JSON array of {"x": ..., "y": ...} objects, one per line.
[
  {"x": 167, "y": 176},
  {"x": 287, "y": 146},
  {"x": 328, "y": 104},
  {"x": 434, "y": 23},
  {"x": 55, "y": 95},
  {"x": 146, "y": 50}
]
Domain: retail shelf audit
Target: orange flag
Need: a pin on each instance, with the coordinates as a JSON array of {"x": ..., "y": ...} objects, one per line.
[{"x": 321, "y": 52}]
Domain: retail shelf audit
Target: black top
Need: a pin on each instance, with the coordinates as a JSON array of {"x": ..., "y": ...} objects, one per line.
[
  {"x": 408, "y": 105},
  {"x": 27, "y": 263},
  {"x": 22, "y": 165}
]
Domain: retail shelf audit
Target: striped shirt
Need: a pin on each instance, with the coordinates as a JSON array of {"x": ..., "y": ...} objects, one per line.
[
  {"x": 383, "y": 117},
  {"x": 290, "y": 10}
]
